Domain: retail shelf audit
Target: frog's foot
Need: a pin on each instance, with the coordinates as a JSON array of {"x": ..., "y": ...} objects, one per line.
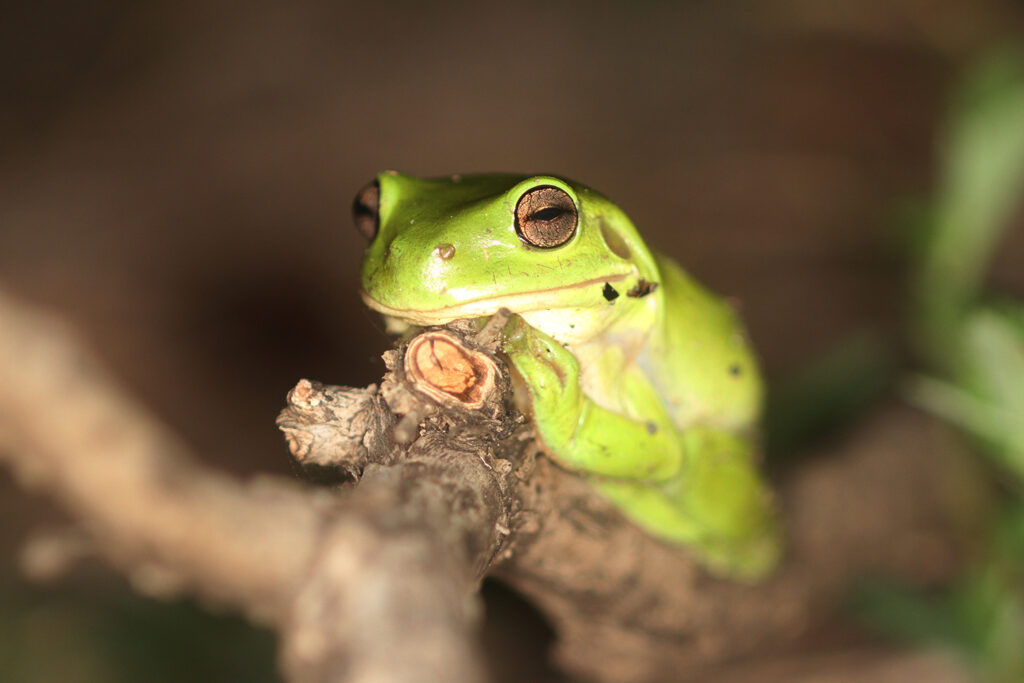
[
  {"x": 578, "y": 433},
  {"x": 550, "y": 372}
]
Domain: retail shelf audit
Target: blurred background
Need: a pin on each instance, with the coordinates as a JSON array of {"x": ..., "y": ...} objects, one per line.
[{"x": 176, "y": 178}]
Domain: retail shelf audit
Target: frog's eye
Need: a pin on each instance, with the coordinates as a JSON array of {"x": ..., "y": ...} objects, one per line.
[
  {"x": 546, "y": 217},
  {"x": 365, "y": 210}
]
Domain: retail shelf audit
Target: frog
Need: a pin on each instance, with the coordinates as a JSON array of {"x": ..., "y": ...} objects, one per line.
[{"x": 634, "y": 375}]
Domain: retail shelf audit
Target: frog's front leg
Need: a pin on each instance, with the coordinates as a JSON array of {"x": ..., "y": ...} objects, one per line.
[
  {"x": 700, "y": 488},
  {"x": 577, "y": 432}
]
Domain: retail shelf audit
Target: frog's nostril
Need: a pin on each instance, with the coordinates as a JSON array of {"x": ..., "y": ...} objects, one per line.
[{"x": 445, "y": 251}]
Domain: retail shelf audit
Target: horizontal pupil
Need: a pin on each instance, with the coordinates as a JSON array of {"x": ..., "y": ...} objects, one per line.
[{"x": 548, "y": 214}]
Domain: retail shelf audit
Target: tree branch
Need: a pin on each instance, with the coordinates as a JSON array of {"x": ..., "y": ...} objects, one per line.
[
  {"x": 376, "y": 585},
  {"x": 377, "y": 582},
  {"x": 629, "y": 608}
]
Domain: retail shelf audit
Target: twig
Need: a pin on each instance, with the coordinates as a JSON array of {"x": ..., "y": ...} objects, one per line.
[{"x": 369, "y": 587}]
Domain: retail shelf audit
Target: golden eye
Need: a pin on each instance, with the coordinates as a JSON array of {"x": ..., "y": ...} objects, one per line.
[
  {"x": 546, "y": 217},
  {"x": 365, "y": 210}
]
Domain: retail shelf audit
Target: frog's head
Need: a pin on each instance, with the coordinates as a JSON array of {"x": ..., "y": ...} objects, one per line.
[{"x": 556, "y": 252}]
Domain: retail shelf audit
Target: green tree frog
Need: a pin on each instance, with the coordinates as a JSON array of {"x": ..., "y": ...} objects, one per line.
[{"x": 637, "y": 377}]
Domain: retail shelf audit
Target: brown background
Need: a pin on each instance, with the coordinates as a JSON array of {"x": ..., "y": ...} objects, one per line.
[{"x": 176, "y": 177}]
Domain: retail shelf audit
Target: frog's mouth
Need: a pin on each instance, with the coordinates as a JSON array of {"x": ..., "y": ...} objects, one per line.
[{"x": 522, "y": 302}]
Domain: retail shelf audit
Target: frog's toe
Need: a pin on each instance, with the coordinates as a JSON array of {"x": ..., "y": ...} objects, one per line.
[{"x": 538, "y": 370}]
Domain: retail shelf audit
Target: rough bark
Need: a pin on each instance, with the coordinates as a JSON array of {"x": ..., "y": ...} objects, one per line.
[
  {"x": 373, "y": 584},
  {"x": 629, "y": 608},
  {"x": 377, "y": 581}
]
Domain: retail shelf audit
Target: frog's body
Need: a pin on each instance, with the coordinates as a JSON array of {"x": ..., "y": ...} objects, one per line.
[{"x": 637, "y": 375}]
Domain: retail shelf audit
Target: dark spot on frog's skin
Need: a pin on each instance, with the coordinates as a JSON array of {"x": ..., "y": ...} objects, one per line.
[
  {"x": 735, "y": 370},
  {"x": 609, "y": 292},
  {"x": 651, "y": 428},
  {"x": 642, "y": 289},
  {"x": 444, "y": 251}
]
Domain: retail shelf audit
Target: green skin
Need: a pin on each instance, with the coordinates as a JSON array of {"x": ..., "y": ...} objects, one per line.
[{"x": 654, "y": 395}]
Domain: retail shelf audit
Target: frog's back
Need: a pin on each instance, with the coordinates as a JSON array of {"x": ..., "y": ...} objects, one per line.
[{"x": 698, "y": 357}]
